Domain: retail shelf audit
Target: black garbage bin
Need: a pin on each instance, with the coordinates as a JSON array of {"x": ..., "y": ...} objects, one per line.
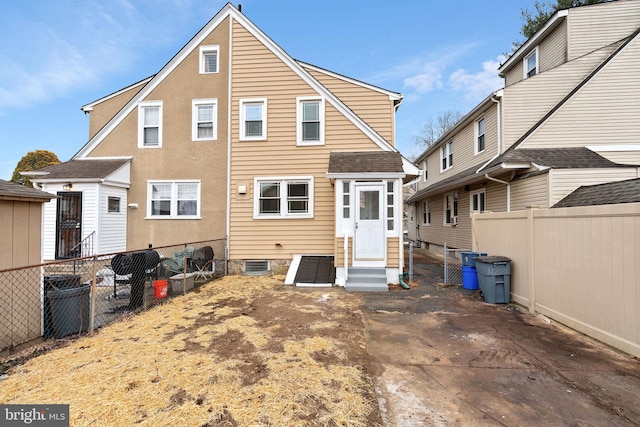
[
  {"x": 55, "y": 282},
  {"x": 66, "y": 306},
  {"x": 494, "y": 278}
]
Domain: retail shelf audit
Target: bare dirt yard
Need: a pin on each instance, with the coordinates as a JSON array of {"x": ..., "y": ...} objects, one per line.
[{"x": 237, "y": 351}]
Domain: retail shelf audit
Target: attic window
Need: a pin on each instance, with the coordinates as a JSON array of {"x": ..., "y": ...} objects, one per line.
[
  {"x": 531, "y": 64},
  {"x": 209, "y": 59}
]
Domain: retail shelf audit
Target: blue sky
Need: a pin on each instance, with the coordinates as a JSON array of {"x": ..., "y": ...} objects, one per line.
[{"x": 56, "y": 56}]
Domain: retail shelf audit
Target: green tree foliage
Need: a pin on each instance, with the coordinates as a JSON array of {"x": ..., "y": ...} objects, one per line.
[
  {"x": 32, "y": 161},
  {"x": 534, "y": 20}
]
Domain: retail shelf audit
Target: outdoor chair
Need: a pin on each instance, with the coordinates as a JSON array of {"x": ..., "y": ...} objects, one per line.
[
  {"x": 175, "y": 265},
  {"x": 202, "y": 262}
]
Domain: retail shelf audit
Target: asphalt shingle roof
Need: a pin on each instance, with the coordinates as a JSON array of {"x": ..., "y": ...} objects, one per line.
[
  {"x": 627, "y": 191},
  {"x": 82, "y": 169},
  {"x": 558, "y": 158},
  {"x": 365, "y": 161},
  {"x": 11, "y": 189}
]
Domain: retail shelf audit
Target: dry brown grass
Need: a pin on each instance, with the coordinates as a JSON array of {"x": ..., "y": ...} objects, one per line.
[{"x": 239, "y": 351}]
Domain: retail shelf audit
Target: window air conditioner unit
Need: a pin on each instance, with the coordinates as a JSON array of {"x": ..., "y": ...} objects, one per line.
[{"x": 454, "y": 220}]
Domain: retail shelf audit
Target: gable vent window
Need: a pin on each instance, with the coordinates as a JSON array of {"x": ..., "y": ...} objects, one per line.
[
  {"x": 209, "y": 59},
  {"x": 256, "y": 267}
]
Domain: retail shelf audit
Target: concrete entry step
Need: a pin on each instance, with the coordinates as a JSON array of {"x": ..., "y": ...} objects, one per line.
[{"x": 367, "y": 280}]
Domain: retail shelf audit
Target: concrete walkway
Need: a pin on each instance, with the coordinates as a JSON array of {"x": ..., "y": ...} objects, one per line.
[{"x": 446, "y": 358}]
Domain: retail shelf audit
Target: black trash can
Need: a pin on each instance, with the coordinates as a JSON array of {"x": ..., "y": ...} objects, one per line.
[
  {"x": 55, "y": 282},
  {"x": 68, "y": 303},
  {"x": 494, "y": 278}
]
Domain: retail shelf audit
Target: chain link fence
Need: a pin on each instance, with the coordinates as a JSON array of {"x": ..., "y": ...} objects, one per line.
[
  {"x": 76, "y": 296},
  {"x": 453, "y": 265}
]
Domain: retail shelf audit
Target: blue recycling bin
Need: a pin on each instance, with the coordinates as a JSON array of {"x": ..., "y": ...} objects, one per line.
[{"x": 469, "y": 278}]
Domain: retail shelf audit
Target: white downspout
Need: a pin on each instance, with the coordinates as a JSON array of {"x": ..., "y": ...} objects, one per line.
[
  {"x": 508, "y": 184},
  {"x": 229, "y": 106},
  {"x": 497, "y": 101}
]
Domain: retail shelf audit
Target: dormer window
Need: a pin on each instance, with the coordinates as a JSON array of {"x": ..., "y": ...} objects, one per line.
[{"x": 531, "y": 64}]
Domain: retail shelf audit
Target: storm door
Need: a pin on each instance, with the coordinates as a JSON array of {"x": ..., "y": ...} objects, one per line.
[
  {"x": 369, "y": 239},
  {"x": 68, "y": 225}
]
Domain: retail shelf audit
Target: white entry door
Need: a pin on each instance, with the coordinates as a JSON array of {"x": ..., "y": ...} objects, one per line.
[{"x": 369, "y": 239}]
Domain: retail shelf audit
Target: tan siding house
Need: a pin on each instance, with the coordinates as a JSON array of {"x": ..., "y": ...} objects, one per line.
[
  {"x": 567, "y": 117},
  {"x": 235, "y": 139}
]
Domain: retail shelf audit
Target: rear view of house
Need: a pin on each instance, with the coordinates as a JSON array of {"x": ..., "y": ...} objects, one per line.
[
  {"x": 234, "y": 138},
  {"x": 567, "y": 117}
]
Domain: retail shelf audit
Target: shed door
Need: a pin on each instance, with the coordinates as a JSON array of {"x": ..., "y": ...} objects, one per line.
[
  {"x": 369, "y": 237},
  {"x": 68, "y": 225}
]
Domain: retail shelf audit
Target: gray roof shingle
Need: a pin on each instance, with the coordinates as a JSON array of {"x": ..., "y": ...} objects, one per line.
[
  {"x": 12, "y": 190},
  {"x": 82, "y": 169},
  {"x": 365, "y": 161},
  {"x": 627, "y": 191},
  {"x": 558, "y": 158}
]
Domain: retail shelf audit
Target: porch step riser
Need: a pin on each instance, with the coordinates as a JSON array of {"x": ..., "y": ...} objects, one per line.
[{"x": 367, "y": 280}]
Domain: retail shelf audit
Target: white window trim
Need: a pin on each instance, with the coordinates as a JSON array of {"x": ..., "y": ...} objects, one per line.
[
  {"x": 209, "y": 49},
  {"x": 174, "y": 200},
  {"x": 425, "y": 171},
  {"x": 453, "y": 195},
  {"x": 141, "y": 107},
  {"x": 473, "y": 193},
  {"x": 525, "y": 60},
  {"x": 194, "y": 118},
  {"x": 427, "y": 208},
  {"x": 262, "y": 137},
  {"x": 395, "y": 207},
  {"x": 448, "y": 149},
  {"x": 299, "y": 101},
  {"x": 283, "y": 197},
  {"x": 476, "y": 135}
]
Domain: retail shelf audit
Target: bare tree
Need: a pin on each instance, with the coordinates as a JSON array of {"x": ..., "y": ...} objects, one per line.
[{"x": 434, "y": 128}]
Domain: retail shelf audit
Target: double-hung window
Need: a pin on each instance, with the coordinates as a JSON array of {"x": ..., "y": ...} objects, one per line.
[
  {"x": 478, "y": 201},
  {"x": 150, "y": 124},
  {"x": 173, "y": 199},
  {"x": 480, "y": 136},
  {"x": 531, "y": 64},
  {"x": 209, "y": 59},
  {"x": 253, "y": 119},
  {"x": 425, "y": 171},
  {"x": 446, "y": 155},
  {"x": 205, "y": 118},
  {"x": 426, "y": 213},
  {"x": 451, "y": 208},
  {"x": 310, "y": 120},
  {"x": 283, "y": 197}
]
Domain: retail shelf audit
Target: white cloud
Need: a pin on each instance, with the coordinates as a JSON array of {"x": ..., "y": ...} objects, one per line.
[
  {"x": 480, "y": 84},
  {"x": 428, "y": 79},
  {"x": 72, "y": 45}
]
